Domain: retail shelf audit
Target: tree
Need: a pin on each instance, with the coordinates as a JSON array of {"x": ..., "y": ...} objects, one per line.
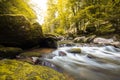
[
  {"x": 16, "y": 7},
  {"x": 85, "y": 16}
]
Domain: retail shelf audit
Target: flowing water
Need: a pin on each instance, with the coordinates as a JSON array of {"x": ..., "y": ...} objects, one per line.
[{"x": 93, "y": 63}]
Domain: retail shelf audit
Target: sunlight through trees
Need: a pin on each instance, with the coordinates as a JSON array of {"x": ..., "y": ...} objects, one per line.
[{"x": 82, "y": 16}]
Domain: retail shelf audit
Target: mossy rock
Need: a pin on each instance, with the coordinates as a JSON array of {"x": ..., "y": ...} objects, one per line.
[
  {"x": 67, "y": 43},
  {"x": 48, "y": 42},
  {"x": 82, "y": 39},
  {"x": 75, "y": 50},
  {"x": 17, "y": 70},
  {"x": 16, "y": 30},
  {"x": 31, "y": 54},
  {"x": 50, "y": 35},
  {"x": 9, "y": 52}
]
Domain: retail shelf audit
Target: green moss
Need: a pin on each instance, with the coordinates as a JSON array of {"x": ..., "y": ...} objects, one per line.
[
  {"x": 9, "y": 51},
  {"x": 16, "y": 30},
  {"x": 75, "y": 50},
  {"x": 31, "y": 54},
  {"x": 16, "y": 70}
]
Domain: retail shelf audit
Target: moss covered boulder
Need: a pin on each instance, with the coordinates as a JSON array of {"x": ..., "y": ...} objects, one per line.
[
  {"x": 67, "y": 43},
  {"x": 84, "y": 39},
  {"x": 16, "y": 30},
  {"x": 16, "y": 70},
  {"x": 74, "y": 50},
  {"x": 31, "y": 54},
  {"x": 9, "y": 52}
]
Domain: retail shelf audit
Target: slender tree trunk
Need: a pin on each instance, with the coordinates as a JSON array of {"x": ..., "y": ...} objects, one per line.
[{"x": 77, "y": 28}]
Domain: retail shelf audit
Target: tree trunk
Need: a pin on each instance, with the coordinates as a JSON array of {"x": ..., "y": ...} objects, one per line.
[{"x": 77, "y": 28}]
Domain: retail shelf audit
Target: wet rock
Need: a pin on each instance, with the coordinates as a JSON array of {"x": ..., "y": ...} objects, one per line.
[
  {"x": 79, "y": 39},
  {"x": 91, "y": 56},
  {"x": 61, "y": 53},
  {"x": 84, "y": 39},
  {"x": 65, "y": 43},
  {"x": 100, "y": 40},
  {"x": 10, "y": 52},
  {"x": 74, "y": 50},
  {"x": 116, "y": 44},
  {"x": 60, "y": 38},
  {"x": 49, "y": 56},
  {"x": 18, "y": 70}
]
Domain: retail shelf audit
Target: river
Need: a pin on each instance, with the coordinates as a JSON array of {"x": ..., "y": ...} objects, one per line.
[{"x": 93, "y": 63}]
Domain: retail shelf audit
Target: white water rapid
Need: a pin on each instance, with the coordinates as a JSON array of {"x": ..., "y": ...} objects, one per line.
[{"x": 93, "y": 63}]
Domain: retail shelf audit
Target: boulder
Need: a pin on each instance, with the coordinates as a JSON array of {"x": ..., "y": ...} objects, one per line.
[
  {"x": 79, "y": 39},
  {"x": 82, "y": 39},
  {"x": 91, "y": 38},
  {"x": 61, "y": 53},
  {"x": 17, "y": 70},
  {"x": 9, "y": 52},
  {"x": 65, "y": 43},
  {"x": 16, "y": 30},
  {"x": 74, "y": 50},
  {"x": 100, "y": 40},
  {"x": 116, "y": 44},
  {"x": 30, "y": 54},
  {"x": 60, "y": 38},
  {"x": 50, "y": 35},
  {"x": 48, "y": 42}
]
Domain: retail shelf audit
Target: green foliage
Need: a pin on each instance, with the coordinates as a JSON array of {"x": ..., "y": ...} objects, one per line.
[
  {"x": 84, "y": 14},
  {"x": 105, "y": 29},
  {"x": 59, "y": 31},
  {"x": 16, "y": 70},
  {"x": 16, "y": 7}
]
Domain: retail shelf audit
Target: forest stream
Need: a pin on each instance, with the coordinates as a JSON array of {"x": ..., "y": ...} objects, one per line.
[{"x": 93, "y": 63}]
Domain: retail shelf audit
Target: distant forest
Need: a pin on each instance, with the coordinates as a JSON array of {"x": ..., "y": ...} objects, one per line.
[{"x": 82, "y": 17}]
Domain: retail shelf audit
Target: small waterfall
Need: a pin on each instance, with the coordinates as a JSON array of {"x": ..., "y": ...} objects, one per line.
[{"x": 93, "y": 63}]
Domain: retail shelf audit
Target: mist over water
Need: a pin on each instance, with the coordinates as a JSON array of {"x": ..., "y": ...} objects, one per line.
[{"x": 93, "y": 63}]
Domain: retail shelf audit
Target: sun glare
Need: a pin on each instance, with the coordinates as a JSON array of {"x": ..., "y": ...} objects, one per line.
[{"x": 40, "y": 7}]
